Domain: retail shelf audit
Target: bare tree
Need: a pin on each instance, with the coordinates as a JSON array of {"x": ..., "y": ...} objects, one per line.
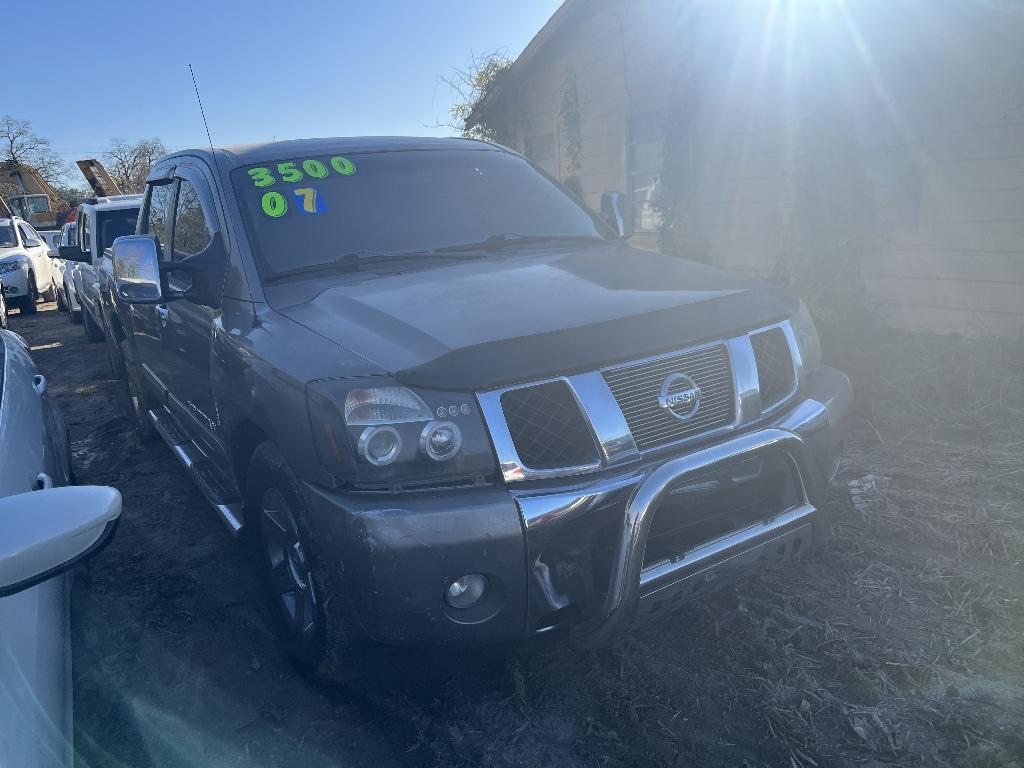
[
  {"x": 19, "y": 145},
  {"x": 129, "y": 164}
]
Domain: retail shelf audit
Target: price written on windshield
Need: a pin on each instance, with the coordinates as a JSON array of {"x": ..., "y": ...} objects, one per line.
[{"x": 295, "y": 171}]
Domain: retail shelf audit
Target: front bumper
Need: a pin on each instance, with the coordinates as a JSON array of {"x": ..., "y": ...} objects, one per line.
[
  {"x": 15, "y": 283},
  {"x": 570, "y": 553}
]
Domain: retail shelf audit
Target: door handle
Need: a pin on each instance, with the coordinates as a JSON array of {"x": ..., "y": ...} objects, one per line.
[
  {"x": 43, "y": 482},
  {"x": 162, "y": 312},
  {"x": 39, "y": 383}
]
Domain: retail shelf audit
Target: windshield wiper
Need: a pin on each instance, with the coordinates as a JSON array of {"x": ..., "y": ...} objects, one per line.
[
  {"x": 497, "y": 242},
  {"x": 353, "y": 261}
]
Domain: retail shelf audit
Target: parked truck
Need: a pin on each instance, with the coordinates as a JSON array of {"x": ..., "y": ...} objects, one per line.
[
  {"x": 98, "y": 223},
  {"x": 37, "y": 204},
  {"x": 452, "y": 406}
]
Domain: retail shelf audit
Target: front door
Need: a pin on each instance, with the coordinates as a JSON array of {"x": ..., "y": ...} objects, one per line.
[
  {"x": 147, "y": 321},
  {"x": 38, "y": 256},
  {"x": 186, "y": 326}
]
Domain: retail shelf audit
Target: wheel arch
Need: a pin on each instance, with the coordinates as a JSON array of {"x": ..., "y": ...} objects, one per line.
[{"x": 246, "y": 437}]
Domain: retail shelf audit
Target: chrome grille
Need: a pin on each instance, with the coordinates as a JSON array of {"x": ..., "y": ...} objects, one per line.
[
  {"x": 775, "y": 373},
  {"x": 547, "y": 427},
  {"x": 636, "y": 389}
]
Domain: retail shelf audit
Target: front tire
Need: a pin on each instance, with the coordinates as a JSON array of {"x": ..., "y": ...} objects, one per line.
[
  {"x": 28, "y": 301},
  {"x": 307, "y": 608},
  {"x": 3, "y": 309},
  {"x": 138, "y": 402}
]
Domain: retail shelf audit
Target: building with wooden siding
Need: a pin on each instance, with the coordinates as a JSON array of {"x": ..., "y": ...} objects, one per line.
[{"x": 874, "y": 145}]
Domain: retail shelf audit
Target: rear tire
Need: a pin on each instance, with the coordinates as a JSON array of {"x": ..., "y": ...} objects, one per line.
[
  {"x": 307, "y": 606},
  {"x": 62, "y": 303},
  {"x": 139, "y": 404},
  {"x": 3, "y": 309},
  {"x": 28, "y": 301},
  {"x": 50, "y": 294}
]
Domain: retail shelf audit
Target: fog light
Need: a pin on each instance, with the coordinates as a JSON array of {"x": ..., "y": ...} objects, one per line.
[
  {"x": 466, "y": 591},
  {"x": 380, "y": 445},
  {"x": 440, "y": 440}
]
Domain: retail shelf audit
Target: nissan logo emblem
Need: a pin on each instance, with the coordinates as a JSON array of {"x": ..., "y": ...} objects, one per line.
[{"x": 680, "y": 396}]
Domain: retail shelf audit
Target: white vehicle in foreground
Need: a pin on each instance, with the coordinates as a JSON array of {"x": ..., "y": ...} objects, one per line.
[
  {"x": 25, "y": 266},
  {"x": 44, "y": 530}
]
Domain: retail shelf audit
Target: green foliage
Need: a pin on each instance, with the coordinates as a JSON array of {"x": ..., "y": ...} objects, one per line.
[
  {"x": 71, "y": 196},
  {"x": 486, "y": 78},
  {"x": 569, "y": 114}
]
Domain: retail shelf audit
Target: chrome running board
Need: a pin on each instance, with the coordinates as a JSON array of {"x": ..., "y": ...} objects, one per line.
[{"x": 210, "y": 480}]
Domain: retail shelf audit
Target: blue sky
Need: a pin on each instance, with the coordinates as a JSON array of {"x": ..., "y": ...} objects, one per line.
[{"x": 266, "y": 69}]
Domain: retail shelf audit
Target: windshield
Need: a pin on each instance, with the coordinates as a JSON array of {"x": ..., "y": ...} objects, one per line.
[
  {"x": 7, "y": 238},
  {"x": 114, "y": 224},
  {"x": 399, "y": 202},
  {"x": 38, "y": 203}
]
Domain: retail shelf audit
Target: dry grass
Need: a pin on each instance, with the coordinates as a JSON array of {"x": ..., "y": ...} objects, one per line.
[{"x": 929, "y": 549}]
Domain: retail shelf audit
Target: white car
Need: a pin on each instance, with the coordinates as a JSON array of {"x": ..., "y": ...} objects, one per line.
[
  {"x": 25, "y": 266},
  {"x": 52, "y": 238},
  {"x": 44, "y": 530},
  {"x": 67, "y": 296}
]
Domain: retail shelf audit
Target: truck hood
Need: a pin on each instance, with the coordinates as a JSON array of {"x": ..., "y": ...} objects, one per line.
[{"x": 521, "y": 314}]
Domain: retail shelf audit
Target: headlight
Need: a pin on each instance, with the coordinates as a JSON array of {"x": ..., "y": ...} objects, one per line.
[
  {"x": 377, "y": 434},
  {"x": 10, "y": 266},
  {"x": 807, "y": 341}
]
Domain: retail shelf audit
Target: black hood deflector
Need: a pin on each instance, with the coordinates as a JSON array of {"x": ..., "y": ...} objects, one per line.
[
  {"x": 522, "y": 315},
  {"x": 510, "y": 361}
]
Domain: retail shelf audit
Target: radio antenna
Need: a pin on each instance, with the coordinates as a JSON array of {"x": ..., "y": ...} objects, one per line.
[{"x": 201, "y": 110}]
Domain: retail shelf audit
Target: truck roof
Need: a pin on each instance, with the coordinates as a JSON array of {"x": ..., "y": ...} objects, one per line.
[
  {"x": 248, "y": 154},
  {"x": 115, "y": 202}
]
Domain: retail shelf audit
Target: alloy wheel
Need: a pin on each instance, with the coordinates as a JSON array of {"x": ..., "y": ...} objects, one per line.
[{"x": 291, "y": 579}]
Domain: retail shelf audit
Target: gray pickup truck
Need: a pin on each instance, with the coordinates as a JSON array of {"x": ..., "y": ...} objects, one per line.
[{"x": 452, "y": 406}]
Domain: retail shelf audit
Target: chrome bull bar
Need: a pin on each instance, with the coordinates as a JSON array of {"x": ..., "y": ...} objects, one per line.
[{"x": 630, "y": 582}]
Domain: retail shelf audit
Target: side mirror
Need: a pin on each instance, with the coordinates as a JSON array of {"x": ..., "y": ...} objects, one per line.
[
  {"x": 31, "y": 242},
  {"x": 73, "y": 253},
  {"x": 46, "y": 532},
  {"x": 137, "y": 269},
  {"x": 616, "y": 212}
]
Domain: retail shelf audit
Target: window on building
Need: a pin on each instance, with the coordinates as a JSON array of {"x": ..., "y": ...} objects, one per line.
[
  {"x": 645, "y": 143},
  {"x": 541, "y": 148}
]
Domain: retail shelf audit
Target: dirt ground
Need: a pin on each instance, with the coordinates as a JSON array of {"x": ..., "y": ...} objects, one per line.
[{"x": 901, "y": 645}]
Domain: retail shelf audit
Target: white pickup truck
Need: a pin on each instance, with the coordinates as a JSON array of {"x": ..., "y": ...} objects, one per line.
[{"x": 99, "y": 224}]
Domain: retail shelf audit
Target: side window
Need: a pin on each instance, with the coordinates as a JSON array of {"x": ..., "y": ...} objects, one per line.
[
  {"x": 191, "y": 227},
  {"x": 159, "y": 214},
  {"x": 85, "y": 227},
  {"x": 26, "y": 234}
]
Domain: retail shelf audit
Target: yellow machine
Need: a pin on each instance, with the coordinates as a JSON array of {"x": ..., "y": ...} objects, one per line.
[{"x": 38, "y": 204}]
